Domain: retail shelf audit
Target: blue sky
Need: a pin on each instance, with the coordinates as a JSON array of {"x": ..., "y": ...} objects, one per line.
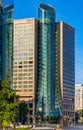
[{"x": 69, "y": 11}]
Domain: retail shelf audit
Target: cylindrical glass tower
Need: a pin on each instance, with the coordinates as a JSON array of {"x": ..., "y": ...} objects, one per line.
[{"x": 46, "y": 62}]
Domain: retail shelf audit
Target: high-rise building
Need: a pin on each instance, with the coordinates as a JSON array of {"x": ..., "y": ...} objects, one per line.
[
  {"x": 65, "y": 68},
  {"x": 78, "y": 96},
  {"x": 6, "y": 38},
  {"x": 44, "y": 66},
  {"x": 24, "y": 62},
  {"x": 47, "y": 105}
]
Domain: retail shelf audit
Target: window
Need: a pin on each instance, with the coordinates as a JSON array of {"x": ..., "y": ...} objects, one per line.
[
  {"x": 30, "y": 86},
  {"x": 25, "y": 66},
  {"x": 25, "y": 82},
  {"x": 20, "y": 66},
  {"x": 30, "y": 62},
  {"x": 30, "y": 105},
  {"x": 25, "y": 86},
  {"x": 19, "y": 90},
  {"x": 31, "y": 112},
  {"x": 25, "y": 90},
  {"x": 19, "y": 86},
  {"x": 30, "y": 90}
]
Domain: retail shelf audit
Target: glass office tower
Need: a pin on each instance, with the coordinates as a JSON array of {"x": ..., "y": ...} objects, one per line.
[
  {"x": 7, "y": 37},
  {"x": 65, "y": 68},
  {"x": 46, "y": 90}
]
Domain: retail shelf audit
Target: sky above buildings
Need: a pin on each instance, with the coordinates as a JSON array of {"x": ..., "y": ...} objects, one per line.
[{"x": 69, "y": 11}]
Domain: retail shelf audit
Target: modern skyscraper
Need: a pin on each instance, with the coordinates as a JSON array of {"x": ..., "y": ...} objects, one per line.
[
  {"x": 24, "y": 62},
  {"x": 46, "y": 89},
  {"x": 6, "y": 38},
  {"x": 65, "y": 67},
  {"x": 78, "y": 96},
  {"x": 44, "y": 66}
]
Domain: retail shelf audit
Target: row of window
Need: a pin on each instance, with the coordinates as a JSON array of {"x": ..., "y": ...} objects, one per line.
[
  {"x": 27, "y": 50},
  {"x": 23, "y": 55},
  {"x": 23, "y": 58},
  {"x": 24, "y": 62},
  {"x": 24, "y": 74},
  {"x": 23, "y": 50},
  {"x": 23, "y": 35},
  {"x": 24, "y": 82},
  {"x": 69, "y": 114},
  {"x": 24, "y": 78},
  {"x": 25, "y": 90},
  {"x": 23, "y": 46},
  {"x": 26, "y": 70},
  {"x": 25, "y": 66},
  {"x": 26, "y": 37},
  {"x": 23, "y": 26},
  {"x": 23, "y": 86}
]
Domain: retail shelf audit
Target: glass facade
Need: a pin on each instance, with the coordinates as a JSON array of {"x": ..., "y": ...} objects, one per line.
[
  {"x": 68, "y": 71},
  {"x": 68, "y": 61},
  {"x": 1, "y": 34},
  {"x": 65, "y": 68},
  {"x": 7, "y": 38},
  {"x": 46, "y": 90}
]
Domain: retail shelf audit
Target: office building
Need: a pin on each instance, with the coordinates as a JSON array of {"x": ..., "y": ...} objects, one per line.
[
  {"x": 6, "y": 38},
  {"x": 24, "y": 61},
  {"x": 78, "y": 96},
  {"x": 44, "y": 66},
  {"x": 47, "y": 105},
  {"x": 65, "y": 68}
]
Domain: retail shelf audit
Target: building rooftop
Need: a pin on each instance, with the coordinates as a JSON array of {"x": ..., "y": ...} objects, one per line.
[{"x": 46, "y": 7}]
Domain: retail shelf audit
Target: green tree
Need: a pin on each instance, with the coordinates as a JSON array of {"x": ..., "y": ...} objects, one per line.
[
  {"x": 80, "y": 112},
  {"x": 8, "y": 104}
]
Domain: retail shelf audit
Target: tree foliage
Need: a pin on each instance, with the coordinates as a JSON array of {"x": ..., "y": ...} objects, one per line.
[
  {"x": 80, "y": 112},
  {"x": 8, "y": 104}
]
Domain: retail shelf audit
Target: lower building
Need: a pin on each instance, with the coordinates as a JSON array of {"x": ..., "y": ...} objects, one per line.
[
  {"x": 24, "y": 62},
  {"x": 78, "y": 97}
]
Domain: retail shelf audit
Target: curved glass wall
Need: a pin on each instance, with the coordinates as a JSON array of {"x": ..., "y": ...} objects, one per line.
[
  {"x": 7, "y": 2},
  {"x": 46, "y": 62},
  {"x": 7, "y": 38},
  {"x": 1, "y": 35}
]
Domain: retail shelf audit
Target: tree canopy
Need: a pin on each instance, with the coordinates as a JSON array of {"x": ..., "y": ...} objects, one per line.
[{"x": 8, "y": 104}]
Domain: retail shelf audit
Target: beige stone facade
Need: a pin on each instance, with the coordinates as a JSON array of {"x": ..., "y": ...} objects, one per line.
[
  {"x": 24, "y": 61},
  {"x": 78, "y": 96}
]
